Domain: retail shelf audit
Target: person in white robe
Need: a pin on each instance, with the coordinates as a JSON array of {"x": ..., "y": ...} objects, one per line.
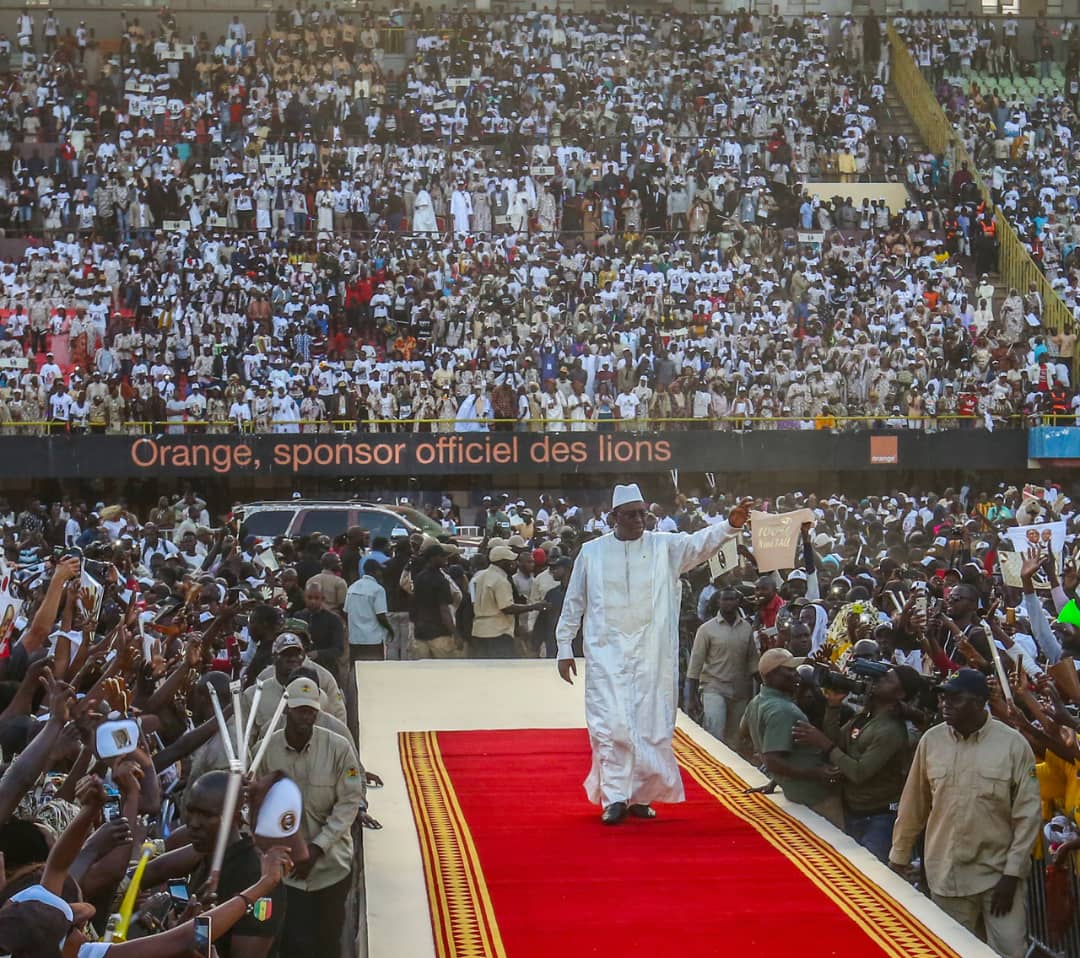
[
  {"x": 324, "y": 204},
  {"x": 546, "y": 212},
  {"x": 473, "y": 413},
  {"x": 518, "y": 213},
  {"x": 624, "y": 594},
  {"x": 424, "y": 214},
  {"x": 286, "y": 413},
  {"x": 461, "y": 210}
]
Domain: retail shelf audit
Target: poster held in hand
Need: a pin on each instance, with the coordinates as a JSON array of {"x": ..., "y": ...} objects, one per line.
[
  {"x": 725, "y": 560},
  {"x": 1044, "y": 536},
  {"x": 776, "y": 537}
]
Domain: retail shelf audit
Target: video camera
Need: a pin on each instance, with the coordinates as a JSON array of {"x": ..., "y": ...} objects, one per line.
[{"x": 858, "y": 676}]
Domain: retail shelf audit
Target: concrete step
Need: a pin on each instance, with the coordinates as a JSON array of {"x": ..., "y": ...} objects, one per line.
[{"x": 897, "y": 121}]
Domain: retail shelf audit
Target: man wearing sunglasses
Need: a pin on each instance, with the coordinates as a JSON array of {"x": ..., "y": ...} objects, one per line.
[{"x": 624, "y": 593}]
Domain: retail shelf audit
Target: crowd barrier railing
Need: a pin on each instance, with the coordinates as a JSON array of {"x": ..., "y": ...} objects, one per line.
[
  {"x": 1015, "y": 266},
  {"x": 643, "y": 424},
  {"x": 1046, "y": 936}
]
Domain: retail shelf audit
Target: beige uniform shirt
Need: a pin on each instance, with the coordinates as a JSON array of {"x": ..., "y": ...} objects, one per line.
[
  {"x": 724, "y": 658},
  {"x": 979, "y": 800},
  {"x": 333, "y": 587},
  {"x": 332, "y": 783},
  {"x": 492, "y": 594}
]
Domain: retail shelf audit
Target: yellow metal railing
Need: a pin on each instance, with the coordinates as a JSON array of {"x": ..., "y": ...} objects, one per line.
[
  {"x": 643, "y": 423},
  {"x": 1015, "y": 266},
  {"x": 919, "y": 99},
  {"x": 392, "y": 40}
]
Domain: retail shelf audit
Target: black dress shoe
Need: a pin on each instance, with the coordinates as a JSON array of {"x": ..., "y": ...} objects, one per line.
[
  {"x": 642, "y": 811},
  {"x": 614, "y": 813}
]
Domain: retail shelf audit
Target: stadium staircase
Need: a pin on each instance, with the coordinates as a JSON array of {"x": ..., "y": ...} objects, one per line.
[{"x": 898, "y": 121}]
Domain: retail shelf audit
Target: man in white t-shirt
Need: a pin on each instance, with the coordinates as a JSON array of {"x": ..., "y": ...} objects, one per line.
[
  {"x": 627, "y": 404},
  {"x": 72, "y": 529},
  {"x": 49, "y": 371},
  {"x": 60, "y": 408}
]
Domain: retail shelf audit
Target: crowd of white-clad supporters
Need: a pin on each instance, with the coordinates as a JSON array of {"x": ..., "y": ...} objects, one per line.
[
  {"x": 1013, "y": 100},
  {"x": 467, "y": 311},
  {"x": 496, "y": 124}
]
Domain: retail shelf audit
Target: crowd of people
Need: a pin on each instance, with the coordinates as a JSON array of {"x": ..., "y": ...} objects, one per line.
[
  {"x": 116, "y": 677},
  {"x": 108, "y": 616},
  {"x": 544, "y": 222},
  {"x": 542, "y": 121},
  {"x": 1014, "y": 108}
]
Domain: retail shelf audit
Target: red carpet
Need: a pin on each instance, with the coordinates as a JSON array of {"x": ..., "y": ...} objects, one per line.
[{"x": 518, "y": 864}]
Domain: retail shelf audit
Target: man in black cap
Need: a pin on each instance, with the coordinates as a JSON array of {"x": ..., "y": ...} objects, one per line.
[
  {"x": 435, "y": 631},
  {"x": 972, "y": 786},
  {"x": 547, "y": 619}
]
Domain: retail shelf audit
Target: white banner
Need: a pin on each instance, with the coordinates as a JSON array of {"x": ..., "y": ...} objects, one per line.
[
  {"x": 776, "y": 537},
  {"x": 94, "y": 591},
  {"x": 10, "y": 607}
]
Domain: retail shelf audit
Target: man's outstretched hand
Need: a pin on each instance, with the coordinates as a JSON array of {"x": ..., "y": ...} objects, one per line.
[
  {"x": 567, "y": 668},
  {"x": 740, "y": 513}
]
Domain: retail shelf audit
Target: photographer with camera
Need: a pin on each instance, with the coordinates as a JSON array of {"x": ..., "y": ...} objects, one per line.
[{"x": 871, "y": 750}]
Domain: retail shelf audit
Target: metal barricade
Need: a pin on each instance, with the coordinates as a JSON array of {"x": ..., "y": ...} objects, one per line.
[{"x": 1038, "y": 922}]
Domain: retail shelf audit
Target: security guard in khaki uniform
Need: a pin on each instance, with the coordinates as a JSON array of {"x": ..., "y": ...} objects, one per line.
[{"x": 326, "y": 767}]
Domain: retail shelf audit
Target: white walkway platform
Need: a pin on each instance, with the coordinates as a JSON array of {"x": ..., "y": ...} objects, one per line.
[{"x": 461, "y": 695}]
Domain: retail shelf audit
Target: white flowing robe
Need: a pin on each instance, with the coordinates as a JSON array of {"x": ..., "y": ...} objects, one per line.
[
  {"x": 424, "y": 214},
  {"x": 518, "y": 213},
  {"x": 324, "y": 203},
  {"x": 461, "y": 209},
  {"x": 626, "y": 596},
  {"x": 473, "y": 408}
]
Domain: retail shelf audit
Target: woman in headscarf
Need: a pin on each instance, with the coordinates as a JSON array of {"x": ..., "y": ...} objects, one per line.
[{"x": 817, "y": 618}]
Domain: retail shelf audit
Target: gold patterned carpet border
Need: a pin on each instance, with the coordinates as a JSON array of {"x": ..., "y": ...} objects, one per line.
[
  {"x": 462, "y": 917},
  {"x": 889, "y": 924}
]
